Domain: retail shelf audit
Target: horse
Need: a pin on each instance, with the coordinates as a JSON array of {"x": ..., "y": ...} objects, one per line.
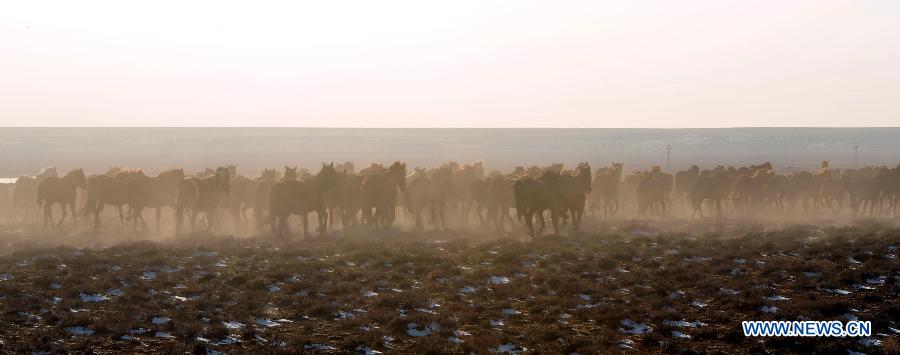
[
  {"x": 534, "y": 196},
  {"x": 605, "y": 189},
  {"x": 428, "y": 192},
  {"x": 500, "y": 199},
  {"x": 572, "y": 193},
  {"x": 242, "y": 197},
  {"x": 263, "y": 192},
  {"x": 107, "y": 189},
  {"x": 379, "y": 193},
  {"x": 289, "y": 197},
  {"x": 143, "y": 191},
  {"x": 654, "y": 189},
  {"x": 55, "y": 190},
  {"x": 25, "y": 191},
  {"x": 202, "y": 195}
]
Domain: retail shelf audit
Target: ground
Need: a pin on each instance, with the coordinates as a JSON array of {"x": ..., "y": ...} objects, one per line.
[{"x": 624, "y": 287}]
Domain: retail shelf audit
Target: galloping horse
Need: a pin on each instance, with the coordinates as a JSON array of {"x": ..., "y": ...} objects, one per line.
[
  {"x": 379, "y": 192},
  {"x": 107, "y": 190},
  {"x": 534, "y": 196},
  {"x": 294, "y": 197},
  {"x": 60, "y": 190},
  {"x": 202, "y": 195},
  {"x": 572, "y": 191},
  {"x": 25, "y": 191}
]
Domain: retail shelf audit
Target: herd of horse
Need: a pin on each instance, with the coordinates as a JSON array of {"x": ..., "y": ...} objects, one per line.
[{"x": 374, "y": 197}]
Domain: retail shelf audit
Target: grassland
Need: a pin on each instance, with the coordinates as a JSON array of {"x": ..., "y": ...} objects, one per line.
[{"x": 624, "y": 287}]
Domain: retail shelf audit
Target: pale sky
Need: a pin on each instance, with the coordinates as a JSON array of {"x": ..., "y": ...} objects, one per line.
[{"x": 458, "y": 63}]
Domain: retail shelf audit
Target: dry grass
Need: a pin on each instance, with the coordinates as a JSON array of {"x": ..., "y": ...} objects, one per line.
[{"x": 565, "y": 294}]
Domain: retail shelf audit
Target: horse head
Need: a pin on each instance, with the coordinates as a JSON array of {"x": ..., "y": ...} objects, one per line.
[
  {"x": 290, "y": 173},
  {"x": 76, "y": 177},
  {"x": 327, "y": 177}
]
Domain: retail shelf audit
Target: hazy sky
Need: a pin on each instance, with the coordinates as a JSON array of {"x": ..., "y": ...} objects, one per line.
[{"x": 479, "y": 63}]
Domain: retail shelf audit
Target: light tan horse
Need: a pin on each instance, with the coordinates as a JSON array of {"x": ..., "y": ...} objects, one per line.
[{"x": 63, "y": 190}]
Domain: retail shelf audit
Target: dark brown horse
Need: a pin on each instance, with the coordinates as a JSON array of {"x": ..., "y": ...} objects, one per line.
[
  {"x": 290, "y": 197},
  {"x": 534, "y": 196},
  {"x": 573, "y": 190},
  {"x": 55, "y": 190},
  {"x": 202, "y": 195},
  {"x": 379, "y": 192}
]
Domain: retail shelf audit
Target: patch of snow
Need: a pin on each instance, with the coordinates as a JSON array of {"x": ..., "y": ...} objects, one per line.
[
  {"x": 138, "y": 331},
  {"x": 680, "y": 335},
  {"x": 367, "y": 350},
  {"x": 319, "y": 347},
  {"x": 274, "y": 288},
  {"x": 497, "y": 323},
  {"x": 876, "y": 280},
  {"x": 413, "y": 329},
  {"x": 160, "y": 320},
  {"x": 853, "y": 261},
  {"x": 510, "y": 312},
  {"x": 163, "y": 335},
  {"x": 114, "y": 292},
  {"x": 632, "y": 327},
  {"x": 455, "y": 340},
  {"x": 768, "y": 309},
  {"x": 55, "y": 286},
  {"x": 729, "y": 291},
  {"x": 698, "y": 304},
  {"x": 233, "y": 324},
  {"x": 467, "y": 290},
  {"x": 499, "y": 280},
  {"x": 684, "y": 324},
  {"x": 80, "y": 331},
  {"x": 777, "y": 298},
  {"x": 508, "y": 348},
  {"x": 370, "y": 294},
  {"x": 584, "y": 297},
  {"x": 267, "y": 323},
  {"x": 810, "y": 274},
  {"x": 148, "y": 275},
  {"x": 837, "y": 291},
  {"x": 676, "y": 294},
  {"x": 869, "y": 342},
  {"x": 92, "y": 298},
  {"x": 5, "y": 277}
]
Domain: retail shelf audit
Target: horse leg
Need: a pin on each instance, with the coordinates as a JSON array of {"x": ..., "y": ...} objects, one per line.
[
  {"x": 529, "y": 217},
  {"x": 48, "y": 215},
  {"x": 97, "y": 210},
  {"x": 304, "y": 217},
  {"x": 540, "y": 215}
]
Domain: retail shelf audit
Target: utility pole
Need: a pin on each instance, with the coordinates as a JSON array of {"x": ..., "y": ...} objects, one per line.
[
  {"x": 855, "y": 156},
  {"x": 668, "y": 153}
]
